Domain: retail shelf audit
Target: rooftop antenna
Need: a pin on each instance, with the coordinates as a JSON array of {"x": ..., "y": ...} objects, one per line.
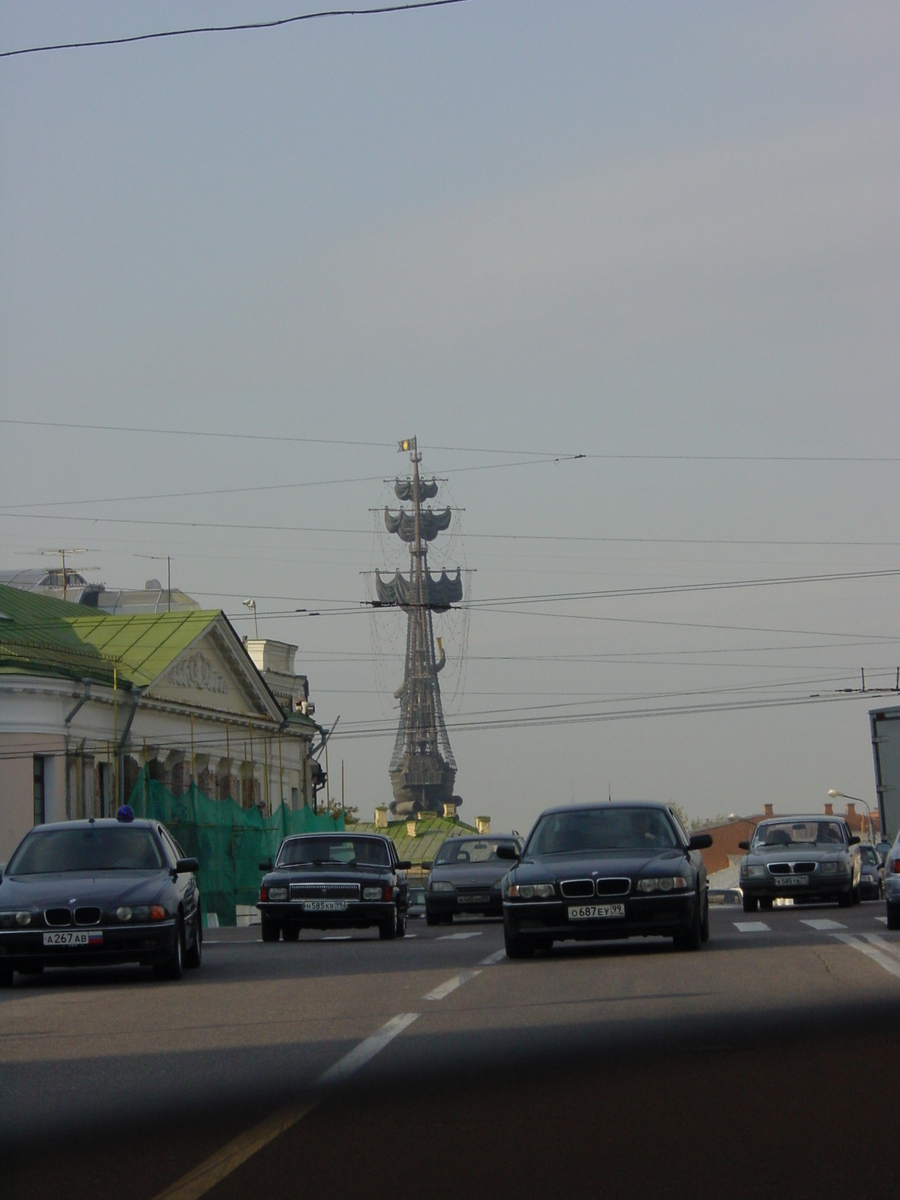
[
  {"x": 159, "y": 558},
  {"x": 62, "y": 554}
]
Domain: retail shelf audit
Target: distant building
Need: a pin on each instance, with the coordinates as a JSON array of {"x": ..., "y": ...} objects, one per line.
[
  {"x": 88, "y": 699},
  {"x": 74, "y": 588}
]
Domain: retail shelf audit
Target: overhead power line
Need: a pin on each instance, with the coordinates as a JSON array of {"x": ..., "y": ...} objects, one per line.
[{"x": 242, "y": 27}]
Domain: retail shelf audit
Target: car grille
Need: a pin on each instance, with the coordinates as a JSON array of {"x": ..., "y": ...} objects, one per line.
[
  {"x": 324, "y": 891},
  {"x": 613, "y": 887},
  {"x": 796, "y": 868},
  {"x": 87, "y": 916},
  {"x": 57, "y": 916},
  {"x": 576, "y": 889}
]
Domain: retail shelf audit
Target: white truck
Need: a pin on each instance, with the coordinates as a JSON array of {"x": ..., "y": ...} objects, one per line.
[{"x": 885, "y": 725}]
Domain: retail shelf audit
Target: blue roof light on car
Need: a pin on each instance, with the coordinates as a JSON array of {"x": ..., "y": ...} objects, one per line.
[{"x": 125, "y": 814}]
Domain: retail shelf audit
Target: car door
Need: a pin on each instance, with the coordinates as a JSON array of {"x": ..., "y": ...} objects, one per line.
[
  {"x": 402, "y": 877},
  {"x": 185, "y": 883}
]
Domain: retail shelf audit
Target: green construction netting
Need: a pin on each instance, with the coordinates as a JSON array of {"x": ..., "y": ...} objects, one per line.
[{"x": 229, "y": 841}]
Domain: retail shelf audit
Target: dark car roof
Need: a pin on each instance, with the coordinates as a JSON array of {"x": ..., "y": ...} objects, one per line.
[
  {"x": 96, "y": 823},
  {"x": 380, "y": 837},
  {"x": 561, "y": 808},
  {"x": 483, "y": 837},
  {"x": 802, "y": 817}
]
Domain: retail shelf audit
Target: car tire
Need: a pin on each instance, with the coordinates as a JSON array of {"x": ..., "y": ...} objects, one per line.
[
  {"x": 856, "y": 895},
  {"x": 194, "y": 953},
  {"x": 766, "y": 904},
  {"x": 387, "y": 930},
  {"x": 691, "y": 939},
  {"x": 749, "y": 904},
  {"x": 173, "y": 967},
  {"x": 515, "y": 948},
  {"x": 704, "y": 925},
  {"x": 6, "y": 977},
  {"x": 291, "y": 933},
  {"x": 432, "y": 918},
  {"x": 271, "y": 930},
  {"x": 845, "y": 899},
  {"x": 401, "y": 924},
  {"x": 893, "y": 916}
]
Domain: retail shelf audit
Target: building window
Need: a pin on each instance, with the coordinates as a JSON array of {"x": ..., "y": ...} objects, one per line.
[{"x": 38, "y": 789}]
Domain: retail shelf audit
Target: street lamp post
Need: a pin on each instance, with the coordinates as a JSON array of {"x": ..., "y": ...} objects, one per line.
[
  {"x": 836, "y": 795},
  {"x": 251, "y": 604}
]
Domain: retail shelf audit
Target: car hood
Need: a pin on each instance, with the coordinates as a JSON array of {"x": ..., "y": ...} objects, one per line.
[
  {"x": 139, "y": 887},
  {"x": 612, "y": 863},
  {"x": 307, "y": 874},
  {"x": 484, "y": 874},
  {"x": 798, "y": 854}
]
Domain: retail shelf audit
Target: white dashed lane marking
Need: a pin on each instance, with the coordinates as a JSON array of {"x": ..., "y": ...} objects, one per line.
[
  {"x": 887, "y": 961},
  {"x": 822, "y": 923},
  {"x": 883, "y": 920},
  {"x": 459, "y": 937},
  {"x": 493, "y": 959},
  {"x": 752, "y": 927},
  {"x": 450, "y": 985}
]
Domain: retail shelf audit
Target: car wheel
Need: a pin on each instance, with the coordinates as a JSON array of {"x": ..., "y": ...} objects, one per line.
[
  {"x": 291, "y": 933},
  {"x": 845, "y": 899},
  {"x": 271, "y": 930},
  {"x": 855, "y": 895},
  {"x": 194, "y": 953},
  {"x": 401, "y": 924},
  {"x": 893, "y": 916},
  {"x": 749, "y": 903},
  {"x": 6, "y": 977},
  {"x": 514, "y": 946},
  {"x": 765, "y": 904},
  {"x": 692, "y": 938},
  {"x": 173, "y": 967},
  {"x": 880, "y": 894},
  {"x": 432, "y": 918},
  {"x": 387, "y": 930},
  {"x": 704, "y": 926}
]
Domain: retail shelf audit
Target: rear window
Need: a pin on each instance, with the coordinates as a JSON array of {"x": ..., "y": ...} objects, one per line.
[
  {"x": 463, "y": 850},
  {"x": 348, "y": 851},
  {"x": 56, "y": 851}
]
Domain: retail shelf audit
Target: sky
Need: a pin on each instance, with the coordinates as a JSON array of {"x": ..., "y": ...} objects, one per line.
[{"x": 629, "y": 273}]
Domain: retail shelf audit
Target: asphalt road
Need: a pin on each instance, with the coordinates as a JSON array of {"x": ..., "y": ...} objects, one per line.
[{"x": 330, "y": 1066}]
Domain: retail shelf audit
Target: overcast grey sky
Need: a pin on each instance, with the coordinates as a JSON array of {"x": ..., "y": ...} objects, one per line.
[{"x": 526, "y": 229}]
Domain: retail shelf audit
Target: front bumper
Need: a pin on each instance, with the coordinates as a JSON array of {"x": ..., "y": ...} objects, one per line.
[
  {"x": 645, "y": 916},
  {"x": 818, "y": 887},
  {"x": 147, "y": 944},
  {"x": 455, "y": 904},
  {"x": 357, "y": 914}
]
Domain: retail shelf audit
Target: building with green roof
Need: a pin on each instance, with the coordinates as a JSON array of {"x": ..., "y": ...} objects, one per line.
[{"x": 87, "y": 699}]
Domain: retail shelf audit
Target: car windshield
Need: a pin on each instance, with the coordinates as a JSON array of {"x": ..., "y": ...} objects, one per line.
[
  {"x": 868, "y": 854},
  {"x": 799, "y": 833},
  {"x": 355, "y": 851},
  {"x": 466, "y": 850},
  {"x": 92, "y": 849},
  {"x": 592, "y": 829}
]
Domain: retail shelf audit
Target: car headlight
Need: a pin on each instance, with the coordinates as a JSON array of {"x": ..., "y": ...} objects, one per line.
[
  {"x": 531, "y": 891},
  {"x": 8, "y": 919},
  {"x": 752, "y": 871},
  {"x": 834, "y": 868},
  {"x": 278, "y": 893},
  {"x": 441, "y": 885},
  {"x": 141, "y": 912},
  {"x": 372, "y": 893},
  {"x": 664, "y": 883}
]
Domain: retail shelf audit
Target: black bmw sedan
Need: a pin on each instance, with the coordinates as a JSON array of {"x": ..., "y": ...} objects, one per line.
[
  {"x": 614, "y": 870},
  {"x": 334, "y": 881},
  {"x": 89, "y": 893}
]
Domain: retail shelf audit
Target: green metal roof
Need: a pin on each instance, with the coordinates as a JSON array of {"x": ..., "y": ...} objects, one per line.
[
  {"x": 431, "y": 833},
  {"x": 40, "y": 635}
]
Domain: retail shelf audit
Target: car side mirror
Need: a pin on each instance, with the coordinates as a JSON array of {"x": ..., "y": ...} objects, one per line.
[
  {"x": 700, "y": 841},
  {"x": 507, "y": 850},
  {"x": 402, "y": 864},
  {"x": 266, "y": 865},
  {"x": 186, "y": 866},
  {"x": 854, "y": 840},
  {"x": 743, "y": 845},
  {"x": 427, "y": 865}
]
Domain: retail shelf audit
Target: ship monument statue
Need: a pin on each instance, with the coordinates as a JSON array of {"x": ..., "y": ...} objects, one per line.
[{"x": 422, "y": 767}]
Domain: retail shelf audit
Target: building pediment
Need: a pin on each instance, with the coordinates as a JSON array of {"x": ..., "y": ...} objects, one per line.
[{"x": 214, "y": 673}]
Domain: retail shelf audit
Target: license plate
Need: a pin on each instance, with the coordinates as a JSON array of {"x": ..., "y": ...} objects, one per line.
[
  {"x": 474, "y": 899},
  {"x": 324, "y": 905},
  {"x": 70, "y": 937},
  {"x": 791, "y": 880},
  {"x": 595, "y": 912}
]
